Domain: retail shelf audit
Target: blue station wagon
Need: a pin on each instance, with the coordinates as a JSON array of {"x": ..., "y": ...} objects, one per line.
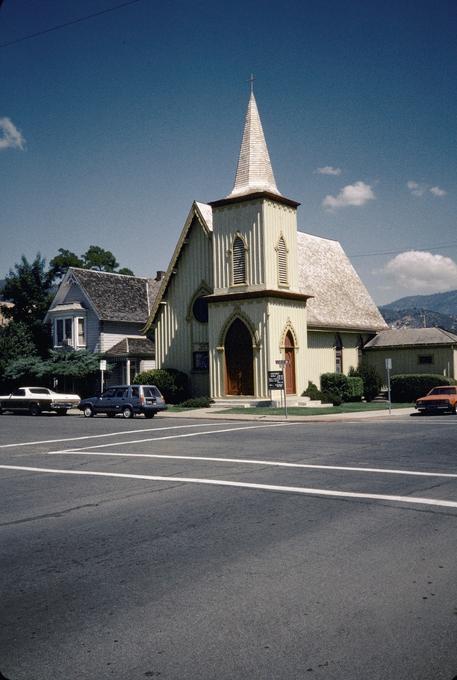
[{"x": 128, "y": 400}]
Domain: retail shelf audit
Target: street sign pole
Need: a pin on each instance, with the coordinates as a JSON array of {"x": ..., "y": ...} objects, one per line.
[
  {"x": 388, "y": 369},
  {"x": 102, "y": 373},
  {"x": 282, "y": 363}
]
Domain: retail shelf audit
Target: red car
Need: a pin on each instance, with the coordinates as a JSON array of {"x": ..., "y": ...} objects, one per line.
[{"x": 441, "y": 399}]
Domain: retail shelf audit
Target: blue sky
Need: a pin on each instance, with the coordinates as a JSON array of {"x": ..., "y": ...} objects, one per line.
[{"x": 110, "y": 127}]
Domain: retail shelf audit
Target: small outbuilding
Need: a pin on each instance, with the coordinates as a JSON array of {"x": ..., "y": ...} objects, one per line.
[{"x": 414, "y": 350}]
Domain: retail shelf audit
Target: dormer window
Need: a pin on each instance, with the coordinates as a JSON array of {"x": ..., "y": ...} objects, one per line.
[
  {"x": 238, "y": 261},
  {"x": 283, "y": 276}
]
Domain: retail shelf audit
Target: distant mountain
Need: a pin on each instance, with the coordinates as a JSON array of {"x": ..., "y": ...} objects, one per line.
[
  {"x": 417, "y": 311},
  {"x": 444, "y": 303}
]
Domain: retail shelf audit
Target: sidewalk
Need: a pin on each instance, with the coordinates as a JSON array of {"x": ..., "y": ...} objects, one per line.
[{"x": 219, "y": 413}]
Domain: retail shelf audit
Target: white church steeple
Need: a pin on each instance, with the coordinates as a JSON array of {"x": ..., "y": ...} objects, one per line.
[{"x": 254, "y": 172}]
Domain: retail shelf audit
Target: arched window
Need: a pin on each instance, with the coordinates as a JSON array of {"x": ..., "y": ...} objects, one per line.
[
  {"x": 282, "y": 262},
  {"x": 239, "y": 261}
]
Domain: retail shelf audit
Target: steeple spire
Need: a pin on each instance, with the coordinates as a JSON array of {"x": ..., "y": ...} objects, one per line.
[{"x": 254, "y": 172}]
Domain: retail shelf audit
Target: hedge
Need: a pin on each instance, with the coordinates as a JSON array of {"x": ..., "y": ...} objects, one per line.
[
  {"x": 406, "y": 388},
  {"x": 336, "y": 386},
  {"x": 173, "y": 384},
  {"x": 355, "y": 387}
]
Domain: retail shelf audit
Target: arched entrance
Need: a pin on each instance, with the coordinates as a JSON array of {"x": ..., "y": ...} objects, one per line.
[
  {"x": 239, "y": 360},
  {"x": 290, "y": 363}
]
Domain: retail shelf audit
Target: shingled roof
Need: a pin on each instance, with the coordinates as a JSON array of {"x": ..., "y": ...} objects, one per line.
[
  {"x": 340, "y": 298},
  {"x": 407, "y": 337},
  {"x": 139, "y": 347},
  {"x": 116, "y": 297}
]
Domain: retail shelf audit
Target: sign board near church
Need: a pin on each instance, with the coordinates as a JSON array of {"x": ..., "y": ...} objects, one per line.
[{"x": 275, "y": 380}]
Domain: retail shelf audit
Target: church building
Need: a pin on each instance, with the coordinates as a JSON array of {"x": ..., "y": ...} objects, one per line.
[{"x": 245, "y": 288}]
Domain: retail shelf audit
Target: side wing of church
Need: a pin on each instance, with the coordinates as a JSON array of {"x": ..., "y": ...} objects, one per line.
[{"x": 245, "y": 289}]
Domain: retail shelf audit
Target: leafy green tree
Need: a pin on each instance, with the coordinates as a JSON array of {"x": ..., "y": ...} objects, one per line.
[
  {"x": 16, "y": 341},
  {"x": 59, "y": 264},
  {"x": 29, "y": 288},
  {"x": 125, "y": 271},
  {"x": 98, "y": 258}
]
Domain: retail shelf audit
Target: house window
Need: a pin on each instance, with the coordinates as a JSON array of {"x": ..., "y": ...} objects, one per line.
[
  {"x": 239, "y": 261},
  {"x": 282, "y": 262},
  {"x": 425, "y": 359},
  {"x": 63, "y": 332},
  {"x": 81, "y": 326}
]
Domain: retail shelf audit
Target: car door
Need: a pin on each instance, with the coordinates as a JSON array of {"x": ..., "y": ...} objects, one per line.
[
  {"x": 119, "y": 399},
  {"x": 18, "y": 400},
  {"x": 105, "y": 404}
]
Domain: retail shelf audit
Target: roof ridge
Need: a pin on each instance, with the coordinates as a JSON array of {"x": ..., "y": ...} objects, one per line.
[{"x": 97, "y": 271}]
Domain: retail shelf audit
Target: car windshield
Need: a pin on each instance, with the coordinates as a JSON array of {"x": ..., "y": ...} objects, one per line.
[{"x": 443, "y": 390}]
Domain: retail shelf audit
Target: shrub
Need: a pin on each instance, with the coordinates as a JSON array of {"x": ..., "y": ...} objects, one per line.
[
  {"x": 313, "y": 392},
  {"x": 197, "y": 402},
  {"x": 355, "y": 386},
  {"x": 372, "y": 381},
  {"x": 332, "y": 398},
  {"x": 173, "y": 384},
  {"x": 335, "y": 384},
  {"x": 406, "y": 388}
]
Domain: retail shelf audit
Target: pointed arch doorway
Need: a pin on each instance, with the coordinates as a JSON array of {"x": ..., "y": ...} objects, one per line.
[
  {"x": 239, "y": 360},
  {"x": 289, "y": 351}
]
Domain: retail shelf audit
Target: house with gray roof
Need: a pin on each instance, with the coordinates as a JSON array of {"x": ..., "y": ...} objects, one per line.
[
  {"x": 105, "y": 312},
  {"x": 414, "y": 350}
]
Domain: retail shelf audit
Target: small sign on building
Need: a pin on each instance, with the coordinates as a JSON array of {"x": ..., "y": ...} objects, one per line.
[{"x": 275, "y": 380}]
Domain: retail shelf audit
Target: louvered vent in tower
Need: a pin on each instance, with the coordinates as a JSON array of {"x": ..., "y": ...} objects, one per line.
[
  {"x": 282, "y": 262},
  {"x": 239, "y": 261}
]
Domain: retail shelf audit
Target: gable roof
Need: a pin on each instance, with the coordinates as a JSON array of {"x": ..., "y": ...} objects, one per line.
[
  {"x": 340, "y": 299},
  {"x": 402, "y": 337},
  {"x": 204, "y": 214},
  {"x": 141, "y": 347},
  {"x": 113, "y": 297}
]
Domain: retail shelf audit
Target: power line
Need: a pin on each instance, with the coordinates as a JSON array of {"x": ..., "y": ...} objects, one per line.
[
  {"x": 396, "y": 252},
  {"x": 68, "y": 23}
]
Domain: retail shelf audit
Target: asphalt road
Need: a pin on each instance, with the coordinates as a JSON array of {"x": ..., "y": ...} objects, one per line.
[{"x": 123, "y": 575}]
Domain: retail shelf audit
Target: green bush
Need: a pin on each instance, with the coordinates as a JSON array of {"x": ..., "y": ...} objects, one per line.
[
  {"x": 406, "y": 388},
  {"x": 355, "y": 385},
  {"x": 313, "y": 392},
  {"x": 335, "y": 384},
  {"x": 173, "y": 384},
  {"x": 197, "y": 402},
  {"x": 332, "y": 398},
  {"x": 372, "y": 381}
]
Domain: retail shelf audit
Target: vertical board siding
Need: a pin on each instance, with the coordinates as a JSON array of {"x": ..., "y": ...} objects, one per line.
[
  {"x": 176, "y": 329},
  {"x": 321, "y": 353},
  {"x": 406, "y": 360}
]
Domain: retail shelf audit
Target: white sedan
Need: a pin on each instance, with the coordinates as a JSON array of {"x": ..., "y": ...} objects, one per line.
[{"x": 34, "y": 400}]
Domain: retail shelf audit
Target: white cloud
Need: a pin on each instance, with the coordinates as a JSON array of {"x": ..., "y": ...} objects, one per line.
[
  {"x": 421, "y": 272},
  {"x": 328, "y": 170},
  {"x": 420, "y": 189},
  {"x": 356, "y": 194},
  {"x": 416, "y": 189},
  {"x": 10, "y": 137},
  {"x": 436, "y": 191}
]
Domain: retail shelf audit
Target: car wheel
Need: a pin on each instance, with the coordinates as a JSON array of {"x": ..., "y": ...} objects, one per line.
[
  {"x": 34, "y": 410},
  {"x": 149, "y": 415},
  {"x": 127, "y": 412},
  {"x": 88, "y": 412}
]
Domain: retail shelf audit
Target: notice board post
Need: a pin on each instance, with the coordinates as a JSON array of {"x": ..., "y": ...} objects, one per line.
[{"x": 388, "y": 369}]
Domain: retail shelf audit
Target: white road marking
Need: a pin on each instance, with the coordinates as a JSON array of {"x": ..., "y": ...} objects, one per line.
[
  {"x": 173, "y": 436},
  {"x": 248, "y": 461},
  {"x": 244, "y": 485},
  {"x": 110, "y": 434}
]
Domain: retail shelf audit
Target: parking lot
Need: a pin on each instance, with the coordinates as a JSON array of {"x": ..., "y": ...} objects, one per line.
[{"x": 185, "y": 548}]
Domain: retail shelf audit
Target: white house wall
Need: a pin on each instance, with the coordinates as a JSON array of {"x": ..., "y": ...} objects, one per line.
[
  {"x": 280, "y": 219},
  {"x": 406, "y": 360},
  {"x": 288, "y": 316},
  {"x": 321, "y": 353},
  {"x": 113, "y": 332}
]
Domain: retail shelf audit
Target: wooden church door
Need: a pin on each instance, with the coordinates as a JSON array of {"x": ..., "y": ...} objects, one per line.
[
  {"x": 239, "y": 359},
  {"x": 290, "y": 365}
]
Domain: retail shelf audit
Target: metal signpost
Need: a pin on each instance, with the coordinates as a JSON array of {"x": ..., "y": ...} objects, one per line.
[
  {"x": 388, "y": 369},
  {"x": 102, "y": 372},
  {"x": 282, "y": 363}
]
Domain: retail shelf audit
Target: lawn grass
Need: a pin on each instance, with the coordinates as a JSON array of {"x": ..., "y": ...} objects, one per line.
[{"x": 354, "y": 407}]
